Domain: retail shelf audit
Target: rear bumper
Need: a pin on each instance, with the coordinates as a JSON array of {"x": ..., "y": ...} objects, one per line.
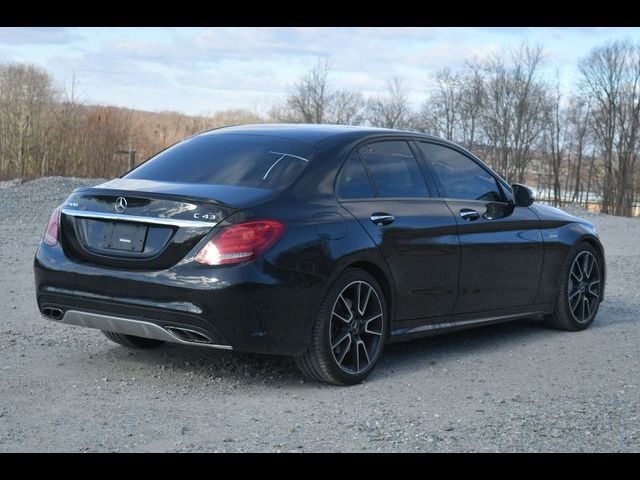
[
  {"x": 251, "y": 307},
  {"x": 139, "y": 328}
]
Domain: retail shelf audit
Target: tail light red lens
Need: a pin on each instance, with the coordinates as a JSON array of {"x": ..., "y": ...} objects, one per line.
[
  {"x": 240, "y": 243},
  {"x": 51, "y": 233}
]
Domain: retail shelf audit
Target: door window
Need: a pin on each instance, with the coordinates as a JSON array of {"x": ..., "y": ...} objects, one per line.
[
  {"x": 460, "y": 176},
  {"x": 393, "y": 169}
]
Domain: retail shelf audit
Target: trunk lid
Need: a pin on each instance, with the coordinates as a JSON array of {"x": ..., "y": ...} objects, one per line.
[{"x": 144, "y": 224}]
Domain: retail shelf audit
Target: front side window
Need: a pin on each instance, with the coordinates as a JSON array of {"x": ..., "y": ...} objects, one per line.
[
  {"x": 393, "y": 169},
  {"x": 229, "y": 159},
  {"x": 459, "y": 176}
]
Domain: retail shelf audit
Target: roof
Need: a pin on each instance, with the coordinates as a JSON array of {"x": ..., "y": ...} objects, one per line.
[{"x": 311, "y": 133}]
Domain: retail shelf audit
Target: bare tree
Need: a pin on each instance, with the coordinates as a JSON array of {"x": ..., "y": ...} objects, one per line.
[
  {"x": 513, "y": 108},
  {"x": 453, "y": 107},
  {"x": 312, "y": 99},
  {"x": 441, "y": 113},
  {"x": 556, "y": 142},
  {"x": 578, "y": 118},
  {"x": 471, "y": 102},
  {"x": 391, "y": 110},
  {"x": 611, "y": 78},
  {"x": 66, "y": 152},
  {"x": 308, "y": 99},
  {"x": 26, "y": 92},
  {"x": 346, "y": 107}
]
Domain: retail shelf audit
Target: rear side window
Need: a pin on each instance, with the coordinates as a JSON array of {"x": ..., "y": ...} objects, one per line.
[
  {"x": 460, "y": 176},
  {"x": 229, "y": 159},
  {"x": 393, "y": 169},
  {"x": 355, "y": 181}
]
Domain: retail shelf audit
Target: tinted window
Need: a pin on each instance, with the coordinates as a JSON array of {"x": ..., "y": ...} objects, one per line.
[
  {"x": 460, "y": 176},
  {"x": 227, "y": 159},
  {"x": 394, "y": 170},
  {"x": 355, "y": 182}
]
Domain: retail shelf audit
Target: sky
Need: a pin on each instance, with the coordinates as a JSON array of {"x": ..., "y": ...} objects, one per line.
[{"x": 202, "y": 70}]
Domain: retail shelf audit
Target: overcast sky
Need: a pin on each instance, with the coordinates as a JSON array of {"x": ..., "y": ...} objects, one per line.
[{"x": 201, "y": 70}]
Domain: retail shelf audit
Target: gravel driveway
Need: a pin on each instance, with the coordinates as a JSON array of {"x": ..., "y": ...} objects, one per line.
[{"x": 510, "y": 387}]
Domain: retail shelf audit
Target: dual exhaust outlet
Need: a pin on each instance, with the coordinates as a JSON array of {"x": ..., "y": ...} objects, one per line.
[{"x": 52, "y": 313}]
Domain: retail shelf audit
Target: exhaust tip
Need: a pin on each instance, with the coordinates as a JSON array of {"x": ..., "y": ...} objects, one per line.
[
  {"x": 52, "y": 313},
  {"x": 187, "y": 335}
]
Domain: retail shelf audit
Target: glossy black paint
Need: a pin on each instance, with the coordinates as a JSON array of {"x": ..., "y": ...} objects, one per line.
[
  {"x": 422, "y": 238},
  {"x": 439, "y": 271},
  {"x": 497, "y": 274}
]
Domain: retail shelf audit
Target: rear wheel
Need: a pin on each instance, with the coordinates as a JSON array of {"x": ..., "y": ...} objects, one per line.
[
  {"x": 132, "y": 341},
  {"x": 578, "y": 297},
  {"x": 349, "y": 333}
]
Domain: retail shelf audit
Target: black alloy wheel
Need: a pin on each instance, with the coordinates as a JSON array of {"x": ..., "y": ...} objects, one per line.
[{"x": 350, "y": 332}]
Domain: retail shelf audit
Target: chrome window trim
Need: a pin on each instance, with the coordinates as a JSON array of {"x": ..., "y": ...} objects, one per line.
[{"x": 135, "y": 218}]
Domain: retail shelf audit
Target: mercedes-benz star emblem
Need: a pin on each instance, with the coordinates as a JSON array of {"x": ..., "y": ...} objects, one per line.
[{"x": 120, "y": 204}]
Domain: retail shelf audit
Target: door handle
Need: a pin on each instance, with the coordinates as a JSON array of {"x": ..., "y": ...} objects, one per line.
[
  {"x": 469, "y": 214},
  {"x": 382, "y": 218}
]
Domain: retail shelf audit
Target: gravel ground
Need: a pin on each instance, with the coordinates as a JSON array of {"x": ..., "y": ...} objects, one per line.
[{"x": 510, "y": 387}]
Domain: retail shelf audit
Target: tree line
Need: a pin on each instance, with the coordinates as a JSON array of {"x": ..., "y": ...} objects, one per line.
[
  {"x": 47, "y": 130},
  {"x": 576, "y": 146}
]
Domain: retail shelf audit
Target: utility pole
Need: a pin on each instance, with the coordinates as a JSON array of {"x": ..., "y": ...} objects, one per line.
[{"x": 132, "y": 157}]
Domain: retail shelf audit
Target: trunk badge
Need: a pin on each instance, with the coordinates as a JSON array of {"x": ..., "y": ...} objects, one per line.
[{"x": 120, "y": 205}]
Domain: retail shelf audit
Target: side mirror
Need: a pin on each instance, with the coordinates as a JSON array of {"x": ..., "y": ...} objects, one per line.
[{"x": 522, "y": 195}]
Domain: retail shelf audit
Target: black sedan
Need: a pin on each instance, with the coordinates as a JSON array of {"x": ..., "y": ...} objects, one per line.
[{"x": 319, "y": 242}]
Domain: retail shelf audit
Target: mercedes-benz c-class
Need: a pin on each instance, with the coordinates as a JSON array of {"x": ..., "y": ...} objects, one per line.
[{"x": 319, "y": 242}]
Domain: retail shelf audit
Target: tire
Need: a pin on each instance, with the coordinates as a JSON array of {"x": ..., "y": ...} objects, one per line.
[
  {"x": 578, "y": 299},
  {"x": 364, "y": 327},
  {"x": 131, "y": 341}
]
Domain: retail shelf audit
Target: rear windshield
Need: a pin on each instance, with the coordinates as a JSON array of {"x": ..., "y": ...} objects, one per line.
[{"x": 227, "y": 159}]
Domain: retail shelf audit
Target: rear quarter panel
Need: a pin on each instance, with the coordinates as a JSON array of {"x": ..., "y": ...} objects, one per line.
[{"x": 321, "y": 240}]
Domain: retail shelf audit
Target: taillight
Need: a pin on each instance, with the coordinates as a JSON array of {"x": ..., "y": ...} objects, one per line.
[
  {"x": 240, "y": 243},
  {"x": 51, "y": 233}
]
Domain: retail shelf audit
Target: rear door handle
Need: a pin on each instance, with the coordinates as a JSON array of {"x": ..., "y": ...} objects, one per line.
[
  {"x": 469, "y": 214},
  {"x": 382, "y": 218}
]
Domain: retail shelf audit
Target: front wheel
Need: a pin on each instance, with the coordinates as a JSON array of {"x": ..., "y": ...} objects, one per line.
[
  {"x": 349, "y": 333},
  {"x": 579, "y": 294}
]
